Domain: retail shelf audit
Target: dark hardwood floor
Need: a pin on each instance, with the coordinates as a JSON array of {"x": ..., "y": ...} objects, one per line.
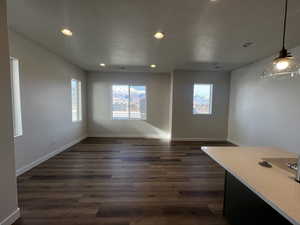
[{"x": 110, "y": 181}]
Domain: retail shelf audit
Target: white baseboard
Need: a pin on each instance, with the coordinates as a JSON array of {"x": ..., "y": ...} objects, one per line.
[
  {"x": 11, "y": 218},
  {"x": 129, "y": 136},
  {"x": 28, "y": 167},
  {"x": 198, "y": 139}
]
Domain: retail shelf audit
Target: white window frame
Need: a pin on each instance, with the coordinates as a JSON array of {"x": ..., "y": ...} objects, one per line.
[
  {"x": 210, "y": 100},
  {"x": 129, "y": 85},
  {"x": 79, "y": 100},
  {"x": 16, "y": 97}
]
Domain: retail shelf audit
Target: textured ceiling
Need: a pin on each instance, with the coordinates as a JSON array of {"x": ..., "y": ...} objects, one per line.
[{"x": 201, "y": 35}]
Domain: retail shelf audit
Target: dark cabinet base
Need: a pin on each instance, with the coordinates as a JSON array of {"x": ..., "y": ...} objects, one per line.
[{"x": 243, "y": 207}]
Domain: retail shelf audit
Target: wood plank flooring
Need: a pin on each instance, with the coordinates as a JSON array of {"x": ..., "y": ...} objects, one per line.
[{"x": 108, "y": 181}]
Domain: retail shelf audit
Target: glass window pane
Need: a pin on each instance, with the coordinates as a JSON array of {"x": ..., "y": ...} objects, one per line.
[
  {"x": 76, "y": 100},
  {"x": 16, "y": 97},
  {"x": 74, "y": 89},
  {"x": 79, "y": 101},
  {"x": 138, "y": 102},
  {"x": 202, "y": 101},
  {"x": 120, "y": 102}
]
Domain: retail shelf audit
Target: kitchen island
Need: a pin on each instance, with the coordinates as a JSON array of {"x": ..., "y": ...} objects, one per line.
[{"x": 255, "y": 194}]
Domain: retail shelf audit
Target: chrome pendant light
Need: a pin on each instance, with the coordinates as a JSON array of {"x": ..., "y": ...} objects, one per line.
[{"x": 285, "y": 64}]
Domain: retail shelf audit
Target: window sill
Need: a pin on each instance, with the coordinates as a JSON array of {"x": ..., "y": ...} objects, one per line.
[
  {"x": 18, "y": 136},
  {"x": 77, "y": 121},
  {"x": 128, "y": 119}
]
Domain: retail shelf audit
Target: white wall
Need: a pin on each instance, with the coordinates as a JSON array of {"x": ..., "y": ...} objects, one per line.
[
  {"x": 187, "y": 126},
  {"x": 46, "y": 102},
  {"x": 8, "y": 188},
  {"x": 99, "y": 105},
  {"x": 264, "y": 112}
]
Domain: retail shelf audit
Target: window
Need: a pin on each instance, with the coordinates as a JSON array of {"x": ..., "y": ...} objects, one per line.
[
  {"x": 16, "y": 97},
  {"x": 128, "y": 102},
  {"x": 202, "y": 101},
  {"x": 76, "y": 100}
]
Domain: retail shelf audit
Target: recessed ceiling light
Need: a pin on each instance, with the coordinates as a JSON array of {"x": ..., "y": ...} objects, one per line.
[
  {"x": 67, "y": 32},
  {"x": 102, "y": 64},
  {"x": 153, "y": 66},
  {"x": 159, "y": 35},
  {"x": 213, "y": 0}
]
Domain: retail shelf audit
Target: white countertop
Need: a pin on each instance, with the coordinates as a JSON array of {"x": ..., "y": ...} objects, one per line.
[{"x": 274, "y": 185}]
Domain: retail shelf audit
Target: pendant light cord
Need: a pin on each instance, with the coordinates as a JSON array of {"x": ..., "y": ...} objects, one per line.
[{"x": 284, "y": 24}]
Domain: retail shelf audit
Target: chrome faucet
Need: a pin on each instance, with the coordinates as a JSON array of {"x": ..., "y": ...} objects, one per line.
[{"x": 296, "y": 166}]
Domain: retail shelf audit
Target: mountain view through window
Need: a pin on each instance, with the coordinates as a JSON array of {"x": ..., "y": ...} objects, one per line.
[
  {"x": 202, "y": 100},
  {"x": 128, "y": 102}
]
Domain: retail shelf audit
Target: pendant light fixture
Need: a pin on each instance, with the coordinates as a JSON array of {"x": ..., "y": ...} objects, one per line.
[{"x": 284, "y": 64}]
